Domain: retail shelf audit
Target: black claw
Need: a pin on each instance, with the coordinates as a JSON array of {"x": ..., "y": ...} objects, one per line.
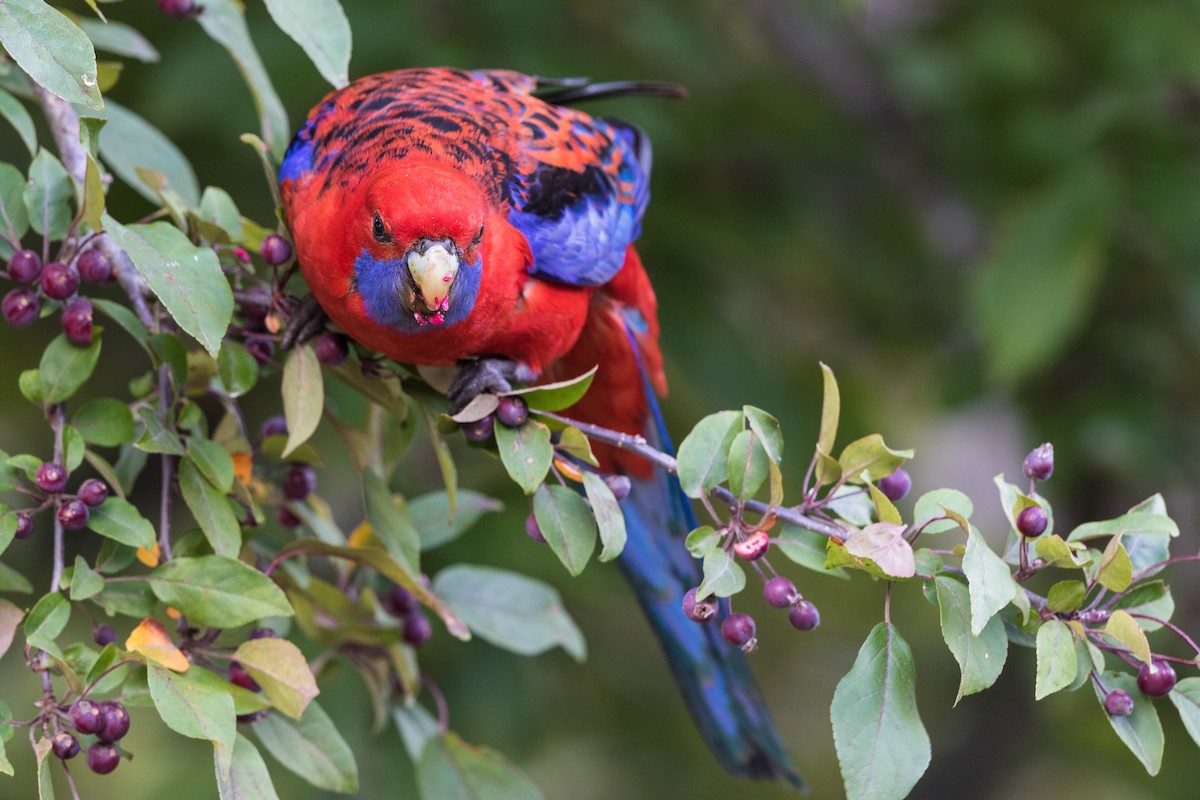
[
  {"x": 479, "y": 376},
  {"x": 307, "y": 321}
]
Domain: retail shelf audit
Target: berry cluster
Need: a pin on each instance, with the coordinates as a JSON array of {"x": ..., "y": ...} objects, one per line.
[
  {"x": 108, "y": 721},
  {"x": 400, "y": 603},
  {"x": 511, "y": 412},
  {"x": 738, "y": 628},
  {"x": 57, "y": 281},
  {"x": 73, "y": 511}
]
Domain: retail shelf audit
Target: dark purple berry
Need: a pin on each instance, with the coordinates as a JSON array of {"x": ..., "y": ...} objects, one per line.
[
  {"x": 24, "y": 525},
  {"x": 239, "y": 677},
  {"x": 103, "y": 758},
  {"x": 698, "y": 610},
  {"x": 533, "y": 530},
  {"x": 481, "y": 429},
  {"x": 77, "y": 321},
  {"x": 286, "y": 518},
  {"x": 86, "y": 716},
  {"x": 180, "y": 9},
  {"x": 804, "y": 616},
  {"x": 20, "y": 307},
  {"x": 512, "y": 411},
  {"x": 64, "y": 745},
  {"x": 263, "y": 633},
  {"x": 754, "y": 546},
  {"x": 896, "y": 485},
  {"x": 104, "y": 635},
  {"x": 93, "y": 266},
  {"x": 417, "y": 628},
  {"x": 73, "y": 514},
  {"x": 93, "y": 491},
  {"x": 273, "y": 426},
  {"x": 332, "y": 348},
  {"x": 25, "y": 266},
  {"x": 1032, "y": 521},
  {"x": 253, "y": 716},
  {"x": 738, "y": 629},
  {"x": 1039, "y": 464},
  {"x": 116, "y": 722},
  {"x": 619, "y": 485},
  {"x": 299, "y": 482},
  {"x": 255, "y": 303},
  {"x": 779, "y": 592},
  {"x": 51, "y": 477},
  {"x": 59, "y": 280},
  {"x": 1156, "y": 678},
  {"x": 261, "y": 348},
  {"x": 275, "y": 250},
  {"x": 1118, "y": 703},
  {"x": 399, "y": 602}
]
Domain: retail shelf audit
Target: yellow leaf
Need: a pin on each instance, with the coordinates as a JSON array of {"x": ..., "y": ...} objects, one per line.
[
  {"x": 148, "y": 556},
  {"x": 173, "y": 613},
  {"x": 151, "y": 640},
  {"x": 568, "y": 470},
  {"x": 243, "y": 467},
  {"x": 360, "y": 536}
]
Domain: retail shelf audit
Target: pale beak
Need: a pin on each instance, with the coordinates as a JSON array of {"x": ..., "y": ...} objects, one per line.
[{"x": 433, "y": 271}]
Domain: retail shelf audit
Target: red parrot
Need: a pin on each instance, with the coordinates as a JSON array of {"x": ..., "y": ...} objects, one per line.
[{"x": 445, "y": 216}]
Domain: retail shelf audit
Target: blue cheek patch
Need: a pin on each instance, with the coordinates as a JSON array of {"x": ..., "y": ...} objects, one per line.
[{"x": 381, "y": 284}]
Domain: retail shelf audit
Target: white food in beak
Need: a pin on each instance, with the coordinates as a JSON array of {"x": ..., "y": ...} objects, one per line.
[{"x": 434, "y": 272}]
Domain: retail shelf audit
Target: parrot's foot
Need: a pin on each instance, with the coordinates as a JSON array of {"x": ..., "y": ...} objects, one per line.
[
  {"x": 306, "y": 321},
  {"x": 485, "y": 375}
]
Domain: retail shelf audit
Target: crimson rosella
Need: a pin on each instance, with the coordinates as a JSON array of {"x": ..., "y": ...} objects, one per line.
[{"x": 444, "y": 216}]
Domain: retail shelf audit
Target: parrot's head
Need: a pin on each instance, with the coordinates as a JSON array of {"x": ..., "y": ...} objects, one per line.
[{"x": 418, "y": 236}]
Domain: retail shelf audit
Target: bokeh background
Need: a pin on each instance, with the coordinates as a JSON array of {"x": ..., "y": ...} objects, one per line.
[{"x": 982, "y": 216}]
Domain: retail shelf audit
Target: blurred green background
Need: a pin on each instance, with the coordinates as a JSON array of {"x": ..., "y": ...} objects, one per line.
[{"x": 982, "y": 216}]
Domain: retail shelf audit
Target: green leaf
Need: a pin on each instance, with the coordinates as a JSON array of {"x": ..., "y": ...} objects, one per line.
[
  {"x": 1057, "y": 553},
  {"x": 223, "y": 21},
  {"x": 1115, "y": 569},
  {"x": 831, "y": 404},
  {"x": 73, "y": 448},
  {"x": 42, "y": 751},
  {"x": 65, "y": 367},
  {"x": 248, "y": 777},
  {"x": 124, "y": 318},
  {"x": 415, "y": 725},
  {"x": 450, "y": 769},
  {"x": 85, "y": 582},
  {"x": 213, "y": 461},
  {"x": 705, "y": 539},
  {"x": 1057, "y": 663},
  {"x": 1137, "y": 523},
  {"x": 1066, "y": 596},
  {"x": 119, "y": 39},
  {"x": 13, "y": 581},
  {"x": 1125, "y": 629},
  {"x": 389, "y": 523},
  {"x": 211, "y": 510},
  {"x": 747, "y": 464},
  {"x": 989, "y": 580},
  {"x": 186, "y": 278},
  {"x": 51, "y": 50},
  {"x": 48, "y": 194},
  {"x": 723, "y": 576},
  {"x": 871, "y": 454},
  {"x": 12, "y": 110},
  {"x": 703, "y": 457},
  {"x": 312, "y": 748},
  {"x": 766, "y": 429},
  {"x": 6, "y": 733},
  {"x": 556, "y": 396},
  {"x": 321, "y": 28},
  {"x": 884, "y": 544},
  {"x": 526, "y": 453},
  {"x": 567, "y": 523},
  {"x": 882, "y": 746},
  {"x": 120, "y": 521},
  {"x": 218, "y": 591},
  {"x": 303, "y": 395},
  {"x": 1140, "y": 731},
  {"x": 46, "y": 620},
  {"x": 105, "y": 421},
  {"x": 13, "y": 213},
  {"x": 156, "y": 438},
  {"x": 431, "y": 515},
  {"x": 1186, "y": 697},
  {"x": 572, "y": 441},
  {"x": 511, "y": 611},
  {"x": 609, "y": 518},
  {"x": 130, "y": 143},
  {"x": 93, "y": 196},
  {"x": 195, "y": 709},
  {"x": 935, "y": 504},
  {"x": 980, "y": 658},
  {"x": 237, "y": 368},
  {"x": 281, "y": 670},
  {"x": 10, "y": 618},
  {"x": 441, "y": 451}
]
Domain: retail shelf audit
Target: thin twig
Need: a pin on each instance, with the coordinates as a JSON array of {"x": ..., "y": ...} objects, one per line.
[{"x": 56, "y": 424}]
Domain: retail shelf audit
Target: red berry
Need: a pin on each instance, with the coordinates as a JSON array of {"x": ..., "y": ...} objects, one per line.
[
  {"x": 93, "y": 491},
  {"x": 25, "y": 266},
  {"x": 619, "y": 485},
  {"x": 512, "y": 411},
  {"x": 286, "y": 518},
  {"x": 417, "y": 628},
  {"x": 20, "y": 307},
  {"x": 77, "y": 321},
  {"x": 533, "y": 530},
  {"x": 59, "y": 280},
  {"x": 481, "y": 429},
  {"x": 399, "y": 602},
  {"x": 239, "y": 677},
  {"x": 73, "y": 514},
  {"x": 275, "y": 250},
  {"x": 739, "y": 629},
  {"x": 104, "y": 635},
  {"x": 273, "y": 426},
  {"x": 51, "y": 477},
  {"x": 1032, "y": 521},
  {"x": 804, "y": 616},
  {"x": 24, "y": 525},
  {"x": 93, "y": 266},
  {"x": 1156, "y": 678},
  {"x": 116, "y": 722},
  {"x": 896, "y": 485},
  {"x": 332, "y": 348},
  {"x": 299, "y": 482},
  {"x": 1118, "y": 703},
  {"x": 64, "y": 745},
  {"x": 86, "y": 716},
  {"x": 779, "y": 592},
  {"x": 1039, "y": 464},
  {"x": 698, "y": 610},
  {"x": 103, "y": 758},
  {"x": 753, "y": 547}
]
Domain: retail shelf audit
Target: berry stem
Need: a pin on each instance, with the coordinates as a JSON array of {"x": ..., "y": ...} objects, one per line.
[
  {"x": 1166, "y": 563},
  {"x": 70, "y": 780},
  {"x": 56, "y": 425},
  {"x": 439, "y": 700},
  {"x": 1171, "y": 627}
]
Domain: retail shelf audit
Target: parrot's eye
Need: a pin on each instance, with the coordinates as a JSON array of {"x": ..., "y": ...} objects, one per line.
[{"x": 377, "y": 228}]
